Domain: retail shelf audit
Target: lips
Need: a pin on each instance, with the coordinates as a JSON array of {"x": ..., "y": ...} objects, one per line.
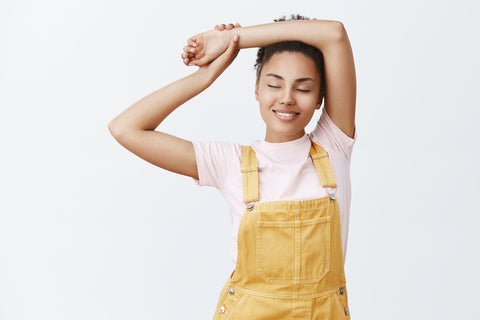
[{"x": 286, "y": 114}]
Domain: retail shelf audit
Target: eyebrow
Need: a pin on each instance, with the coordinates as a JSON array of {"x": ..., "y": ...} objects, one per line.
[{"x": 297, "y": 80}]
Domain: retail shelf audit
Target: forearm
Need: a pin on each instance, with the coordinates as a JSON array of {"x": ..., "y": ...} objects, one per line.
[
  {"x": 318, "y": 33},
  {"x": 150, "y": 111}
]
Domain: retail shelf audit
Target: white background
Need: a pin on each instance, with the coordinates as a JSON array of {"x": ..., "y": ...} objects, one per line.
[{"x": 90, "y": 231}]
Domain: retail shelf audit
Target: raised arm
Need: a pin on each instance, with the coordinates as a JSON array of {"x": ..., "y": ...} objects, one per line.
[
  {"x": 135, "y": 127},
  {"x": 330, "y": 37}
]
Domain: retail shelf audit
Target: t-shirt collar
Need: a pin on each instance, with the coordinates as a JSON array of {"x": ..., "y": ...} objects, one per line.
[{"x": 286, "y": 152}]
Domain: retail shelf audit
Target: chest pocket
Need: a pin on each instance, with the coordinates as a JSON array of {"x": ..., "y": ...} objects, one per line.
[{"x": 293, "y": 251}]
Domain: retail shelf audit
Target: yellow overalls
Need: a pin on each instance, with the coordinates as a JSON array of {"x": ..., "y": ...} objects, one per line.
[{"x": 290, "y": 258}]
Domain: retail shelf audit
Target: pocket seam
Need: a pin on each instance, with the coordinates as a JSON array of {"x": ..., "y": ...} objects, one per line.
[
  {"x": 281, "y": 224},
  {"x": 236, "y": 308}
]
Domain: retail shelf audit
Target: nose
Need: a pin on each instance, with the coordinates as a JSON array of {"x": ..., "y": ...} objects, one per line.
[{"x": 287, "y": 97}]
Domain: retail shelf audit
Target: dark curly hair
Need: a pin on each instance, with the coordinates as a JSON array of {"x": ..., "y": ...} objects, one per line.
[{"x": 265, "y": 53}]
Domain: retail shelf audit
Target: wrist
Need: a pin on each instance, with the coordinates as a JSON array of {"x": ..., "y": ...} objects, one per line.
[
  {"x": 229, "y": 34},
  {"x": 204, "y": 76}
]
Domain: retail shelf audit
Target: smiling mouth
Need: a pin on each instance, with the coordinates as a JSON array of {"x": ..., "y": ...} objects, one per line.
[{"x": 286, "y": 114}]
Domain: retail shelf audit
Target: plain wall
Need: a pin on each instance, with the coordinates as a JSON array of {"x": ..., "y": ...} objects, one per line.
[{"x": 88, "y": 230}]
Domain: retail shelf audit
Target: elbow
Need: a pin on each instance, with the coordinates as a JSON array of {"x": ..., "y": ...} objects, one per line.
[
  {"x": 331, "y": 30},
  {"x": 114, "y": 129},
  {"x": 121, "y": 132},
  {"x": 339, "y": 30}
]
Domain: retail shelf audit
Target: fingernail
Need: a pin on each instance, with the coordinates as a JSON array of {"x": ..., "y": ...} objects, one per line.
[{"x": 235, "y": 37}]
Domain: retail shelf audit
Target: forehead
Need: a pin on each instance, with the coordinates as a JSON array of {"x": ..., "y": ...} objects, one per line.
[{"x": 291, "y": 65}]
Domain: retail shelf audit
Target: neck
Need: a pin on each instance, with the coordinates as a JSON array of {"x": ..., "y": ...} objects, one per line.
[{"x": 278, "y": 138}]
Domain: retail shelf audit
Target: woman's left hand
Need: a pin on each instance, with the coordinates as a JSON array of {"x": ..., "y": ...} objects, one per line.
[
  {"x": 216, "y": 67},
  {"x": 203, "y": 48}
]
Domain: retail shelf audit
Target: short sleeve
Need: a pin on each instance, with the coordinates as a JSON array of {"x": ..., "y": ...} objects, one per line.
[
  {"x": 326, "y": 132},
  {"x": 214, "y": 161}
]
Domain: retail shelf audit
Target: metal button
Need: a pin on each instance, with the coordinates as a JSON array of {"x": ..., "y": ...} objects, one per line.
[
  {"x": 231, "y": 291},
  {"x": 332, "y": 197},
  {"x": 221, "y": 309},
  {"x": 249, "y": 206},
  {"x": 346, "y": 310},
  {"x": 341, "y": 290}
]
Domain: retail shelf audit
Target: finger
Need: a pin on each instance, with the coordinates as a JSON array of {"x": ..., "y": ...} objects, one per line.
[
  {"x": 199, "y": 62},
  {"x": 237, "y": 25},
  {"x": 232, "y": 50},
  {"x": 230, "y": 26},
  {"x": 187, "y": 55},
  {"x": 236, "y": 40},
  {"x": 188, "y": 49},
  {"x": 191, "y": 42},
  {"x": 185, "y": 59}
]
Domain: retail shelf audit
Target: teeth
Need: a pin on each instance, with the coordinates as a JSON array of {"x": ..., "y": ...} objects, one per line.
[{"x": 286, "y": 114}]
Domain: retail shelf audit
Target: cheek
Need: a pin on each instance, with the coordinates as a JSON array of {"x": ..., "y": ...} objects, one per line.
[
  {"x": 311, "y": 100},
  {"x": 265, "y": 100}
]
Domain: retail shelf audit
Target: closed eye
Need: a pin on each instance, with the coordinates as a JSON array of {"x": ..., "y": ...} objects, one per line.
[
  {"x": 271, "y": 86},
  {"x": 304, "y": 90}
]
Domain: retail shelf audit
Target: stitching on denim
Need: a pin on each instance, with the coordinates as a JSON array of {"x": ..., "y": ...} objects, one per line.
[
  {"x": 288, "y": 278},
  {"x": 239, "y": 260},
  {"x": 281, "y": 224},
  {"x": 297, "y": 257},
  {"x": 236, "y": 307},
  {"x": 326, "y": 203},
  {"x": 250, "y": 292},
  {"x": 259, "y": 249},
  {"x": 308, "y": 310}
]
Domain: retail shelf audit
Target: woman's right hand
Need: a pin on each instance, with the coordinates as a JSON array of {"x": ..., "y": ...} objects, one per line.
[{"x": 203, "y": 48}]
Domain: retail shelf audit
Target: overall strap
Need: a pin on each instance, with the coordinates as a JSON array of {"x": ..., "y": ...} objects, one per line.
[
  {"x": 322, "y": 165},
  {"x": 249, "y": 174}
]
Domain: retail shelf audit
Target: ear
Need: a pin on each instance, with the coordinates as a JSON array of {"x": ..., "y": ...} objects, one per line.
[
  {"x": 319, "y": 102},
  {"x": 256, "y": 91}
]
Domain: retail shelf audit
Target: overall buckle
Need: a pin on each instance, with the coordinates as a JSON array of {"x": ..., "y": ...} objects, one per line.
[{"x": 331, "y": 192}]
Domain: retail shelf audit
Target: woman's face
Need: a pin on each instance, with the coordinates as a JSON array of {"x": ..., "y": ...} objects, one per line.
[{"x": 288, "y": 91}]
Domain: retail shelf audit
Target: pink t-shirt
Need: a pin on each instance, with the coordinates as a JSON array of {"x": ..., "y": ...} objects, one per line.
[{"x": 285, "y": 171}]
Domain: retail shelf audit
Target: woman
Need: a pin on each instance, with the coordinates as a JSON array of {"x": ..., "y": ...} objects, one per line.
[{"x": 289, "y": 194}]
